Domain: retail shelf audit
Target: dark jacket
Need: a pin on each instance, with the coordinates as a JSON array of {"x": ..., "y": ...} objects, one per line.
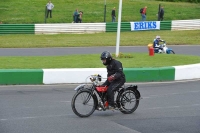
[
  {"x": 115, "y": 68},
  {"x": 113, "y": 13},
  {"x": 161, "y": 12},
  {"x": 156, "y": 43}
]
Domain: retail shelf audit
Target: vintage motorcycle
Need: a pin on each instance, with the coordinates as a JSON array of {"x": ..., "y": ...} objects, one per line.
[{"x": 89, "y": 98}]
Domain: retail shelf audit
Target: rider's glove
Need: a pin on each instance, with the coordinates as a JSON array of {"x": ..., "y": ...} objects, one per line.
[
  {"x": 158, "y": 46},
  {"x": 163, "y": 41},
  {"x": 111, "y": 78}
]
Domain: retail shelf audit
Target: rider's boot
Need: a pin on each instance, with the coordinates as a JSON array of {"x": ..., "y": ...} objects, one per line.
[
  {"x": 111, "y": 108},
  {"x": 99, "y": 108},
  {"x": 159, "y": 51}
]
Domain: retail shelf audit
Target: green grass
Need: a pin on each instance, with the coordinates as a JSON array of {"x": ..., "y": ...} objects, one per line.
[
  {"x": 99, "y": 39},
  {"x": 32, "y": 11},
  {"x": 93, "y": 61}
]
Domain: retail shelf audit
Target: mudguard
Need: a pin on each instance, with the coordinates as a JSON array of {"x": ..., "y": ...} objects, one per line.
[
  {"x": 134, "y": 88},
  {"x": 131, "y": 87},
  {"x": 79, "y": 87}
]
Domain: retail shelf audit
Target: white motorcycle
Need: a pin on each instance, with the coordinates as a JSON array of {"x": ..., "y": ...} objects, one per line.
[{"x": 165, "y": 49}]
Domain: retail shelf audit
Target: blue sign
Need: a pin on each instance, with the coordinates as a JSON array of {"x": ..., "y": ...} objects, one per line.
[{"x": 145, "y": 25}]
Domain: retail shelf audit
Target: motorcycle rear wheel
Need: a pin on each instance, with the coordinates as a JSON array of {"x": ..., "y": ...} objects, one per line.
[
  {"x": 171, "y": 52},
  {"x": 83, "y": 103},
  {"x": 128, "y": 102}
]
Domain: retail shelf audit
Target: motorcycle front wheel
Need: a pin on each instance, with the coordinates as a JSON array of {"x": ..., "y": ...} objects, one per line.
[
  {"x": 83, "y": 103},
  {"x": 128, "y": 102}
]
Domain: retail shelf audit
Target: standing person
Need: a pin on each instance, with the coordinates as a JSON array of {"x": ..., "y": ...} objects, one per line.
[
  {"x": 115, "y": 74},
  {"x": 75, "y": 16},
  {"x": 144, "y": 13},
  {"x": 161, "y": 13},
  {"x": 49, "y": 6},
  {"x": 113, "y": 15},
  {"x": 80, "y": 17}
]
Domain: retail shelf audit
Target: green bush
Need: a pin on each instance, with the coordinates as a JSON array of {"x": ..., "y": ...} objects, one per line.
[{"x": 121, "y": 55}]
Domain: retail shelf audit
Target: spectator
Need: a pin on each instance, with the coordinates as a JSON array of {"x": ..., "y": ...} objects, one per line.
[
  {"x": 75, "y": 16},
  {"x": 113, "y": 15},
  {"x": 144, "y": 13},
  {"x": 161, "y": 13},
  {"x": 49, "y": 6},
  {"x": 80, "y": 16}
]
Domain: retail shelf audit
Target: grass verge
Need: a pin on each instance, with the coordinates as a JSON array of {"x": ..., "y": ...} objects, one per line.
[
  {"x": 139, "y": 60},
  {"x": 99, "y": 39}
]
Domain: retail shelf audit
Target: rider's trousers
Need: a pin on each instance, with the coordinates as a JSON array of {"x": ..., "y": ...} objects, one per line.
[{"x": 114, "y": 86}]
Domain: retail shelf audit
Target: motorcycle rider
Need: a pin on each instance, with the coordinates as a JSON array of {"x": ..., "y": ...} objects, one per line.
[
  {"x": 115, "y": 76},
  {"x": 156, "y": 46}
]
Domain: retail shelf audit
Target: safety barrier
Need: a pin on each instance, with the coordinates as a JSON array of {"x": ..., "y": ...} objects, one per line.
[
  {"x": 17, "y": 28},
  {"x": 139, "y": 26},
  {"x": 69, "y": 28},
  {"x": 112, "y": 27},
  {"x": 98, "y": 27},
  {"x": 76, "y": 75},
  {"x": 186, "y": 24},
  {"x": 149, "y": 74},
  {"x": 21, "y": 76}
]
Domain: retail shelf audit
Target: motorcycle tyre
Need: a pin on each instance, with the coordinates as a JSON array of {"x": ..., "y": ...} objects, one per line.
[
  {"x": 136, "y": 104},
  {"x": 171, "y": 52},
  {"x": 73, "y": 103}
]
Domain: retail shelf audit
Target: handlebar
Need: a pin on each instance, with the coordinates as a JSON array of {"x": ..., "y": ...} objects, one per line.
[{"x": 95, "y": 79}]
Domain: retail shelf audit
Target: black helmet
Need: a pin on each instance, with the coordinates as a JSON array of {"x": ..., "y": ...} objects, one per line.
[{"x": 106, "y": 56}]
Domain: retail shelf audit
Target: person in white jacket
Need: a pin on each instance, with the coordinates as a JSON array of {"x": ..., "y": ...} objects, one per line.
[{"x": 49, "y": 6}]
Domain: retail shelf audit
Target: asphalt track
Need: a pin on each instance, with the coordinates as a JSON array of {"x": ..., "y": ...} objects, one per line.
[
  {"x": 181, "y": 49},
  {"x": 165, "y": 108}
]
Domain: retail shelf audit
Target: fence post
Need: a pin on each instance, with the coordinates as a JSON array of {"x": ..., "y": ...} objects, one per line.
[
  {"x": 105, "y": 11},
  {"x": 159, "y": 12},
  {"x": 45, "y": 14}
]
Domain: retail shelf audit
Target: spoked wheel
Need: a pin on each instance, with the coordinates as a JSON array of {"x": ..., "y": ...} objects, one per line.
[
  {"x": 128, "y": 102},
  {"x": 83, "y": 103}
]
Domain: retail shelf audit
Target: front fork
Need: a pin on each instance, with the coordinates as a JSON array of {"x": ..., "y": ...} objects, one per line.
[{"x": 102, "y": 104}]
